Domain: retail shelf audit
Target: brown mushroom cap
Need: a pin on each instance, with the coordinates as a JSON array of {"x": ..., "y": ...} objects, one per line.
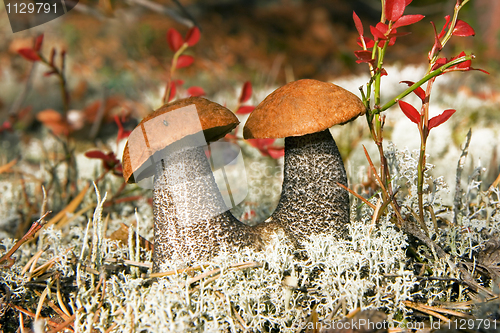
[
  {"x": 302, "y": 107},
  {"x": 168, "y": 127}
]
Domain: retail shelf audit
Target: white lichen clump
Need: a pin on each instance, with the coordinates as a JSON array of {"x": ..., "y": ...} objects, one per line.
[{"x": 279, "y": 292}]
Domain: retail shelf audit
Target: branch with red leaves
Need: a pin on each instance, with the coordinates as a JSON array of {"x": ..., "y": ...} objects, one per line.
[
  {"x": 384, "y": 35},
  {"x": 265, "y": 146},
  {"x": 34, "y": 54},
  {"x": 178, "y": 45}
]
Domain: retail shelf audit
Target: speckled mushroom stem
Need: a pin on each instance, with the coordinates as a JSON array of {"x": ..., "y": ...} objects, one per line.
[
  {"x": 191, "y": 220},
  {"x": 311, "y": 201}
]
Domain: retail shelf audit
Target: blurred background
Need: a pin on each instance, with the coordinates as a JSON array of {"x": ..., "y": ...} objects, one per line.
[{"x": 120, "y": 46}]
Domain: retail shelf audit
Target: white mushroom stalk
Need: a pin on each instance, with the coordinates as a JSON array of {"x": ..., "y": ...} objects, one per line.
[
  {"x": 191, "y": 220},
  {"x": 311, "y": 200}
]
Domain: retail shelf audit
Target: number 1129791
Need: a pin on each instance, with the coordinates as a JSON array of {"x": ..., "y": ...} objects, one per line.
[
  {"x": 29, "y": 8},
  {"x": 472, "y": 324}
]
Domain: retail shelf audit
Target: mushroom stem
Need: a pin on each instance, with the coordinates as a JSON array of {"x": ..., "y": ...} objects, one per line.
[
  {"x": 311, "y": 201},
  {"x": 191, "y": 220}
]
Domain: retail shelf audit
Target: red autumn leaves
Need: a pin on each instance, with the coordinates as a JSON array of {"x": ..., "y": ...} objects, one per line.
[
  {"x": 265, "y": 146},
  {"x": 109, "y": 161},
  {"x": 31, "y": 54},
  {"x": 246, "y": 93},
  {"x": 176, "y": 42},
  {"x": 385, "y": 34},
  {"x": 178, "y": 45},
  {"x": 385, "y": 31},
  {"x": 417, "y": 117}
]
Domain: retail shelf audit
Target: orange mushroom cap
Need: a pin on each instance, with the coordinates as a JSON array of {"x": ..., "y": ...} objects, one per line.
[
  {"x": 302, "y": 107},
  {"x": 163, "y": 127}
]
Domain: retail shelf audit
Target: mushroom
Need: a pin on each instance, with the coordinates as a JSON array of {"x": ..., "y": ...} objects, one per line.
[
  {"x": 191, "y": 220},
  {"x": 302, "y": 112}
]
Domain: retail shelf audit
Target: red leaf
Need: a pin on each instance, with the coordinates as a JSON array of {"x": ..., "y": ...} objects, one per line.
[
  {"x": 407, "y": 20},
  {"x": 196, "y": 91},
  {"x": 174, "y": 39},
  {"x": 377, "y": 34},
  {"x": 439, "y": 62},
  {"x": 276, "y": 152},
  {"x": 246, "y": 92},
  {"x": 6, "y": 126},
  {"x": 184, "y": 61},
  {"x": 172, "y": 91},
  {"x": 368, "y": 42},
  {"x": 395, "y": 34},
  {"x": 443, "y": 31},
  {"x": 49, "y": 73},
  {"x": 245, "y": 109},
  {"x": 264, "y": 145},
  {"x": 38, "y": 43},
  {"x": 29, "y": 54},
  {"x": 193, "y": 36},
  {"x": 260, "y": 143},
  {"x": 383, "y": 72},
  {"x": 410, "y": 111},
  {"x": 437, "y": 46},
  {"x": 394, "y": 9},
  {"x": 438, "y": 120},
  {"x": 179, "y": 83},
  {"x": 463, "y": 29},
  {"x": 363, "y": 56},
  {"x": 96, "y": 154},
  {"x": 122, "y": 133},
  {"x": 357, "y": 23},
  {"x": 419, "y": 91}
]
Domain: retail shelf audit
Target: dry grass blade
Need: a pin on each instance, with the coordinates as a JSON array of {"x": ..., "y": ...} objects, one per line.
[
  {"x": 8, "y": 166},
  {"x": 32, "y": 315},
  {"x": 43, "y": 268},
  {"x": 64, "y": 325},
  {"x": 61, "y": 217},
  {"x": 382, "y": 187},
  {"x": 30, "y": 264},
  {"x": 60, "y": 299},
  {"x": 61, "y": 313},
  {"x": 177, "y": 271},
  {"x": 201, "y": 276},
  {"x": 233, "y": 267},
  {"x": 37, "y": 225},
  {"x": 430, "y": 310},
  {"x": 40, "y": 302},
  {"x": 372, "y": 206},
  {"x": 313, "y": 319},
  {"x": 353, "y": 313}
]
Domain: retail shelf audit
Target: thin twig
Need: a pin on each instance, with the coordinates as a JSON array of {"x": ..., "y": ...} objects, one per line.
[
  {"x": 372, "y": 206},
  {"x": 430, "y": 310},
  {"x": 457, "y": 202},
  {"x": 32, "y": 315},
  {"x": 14, "y": 108},
  {"x": 37, "y": 225}
]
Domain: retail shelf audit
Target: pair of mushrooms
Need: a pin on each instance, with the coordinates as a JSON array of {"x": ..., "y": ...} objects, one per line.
[{"x": 191, "y": 220}]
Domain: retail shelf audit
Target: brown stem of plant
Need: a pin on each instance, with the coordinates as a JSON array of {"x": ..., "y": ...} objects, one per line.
[
  {"x": 37, "y": 225},
  {"x": 424, "y": 133}
]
